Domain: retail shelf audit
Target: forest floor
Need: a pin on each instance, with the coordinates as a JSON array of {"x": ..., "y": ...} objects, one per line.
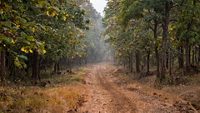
[{"x": 97, "y": 88}]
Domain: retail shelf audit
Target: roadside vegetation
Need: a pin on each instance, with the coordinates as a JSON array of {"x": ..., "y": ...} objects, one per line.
[{"x": 65, "y": 93}]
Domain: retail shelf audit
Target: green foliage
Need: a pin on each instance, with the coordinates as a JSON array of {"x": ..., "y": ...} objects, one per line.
[
  {"x": 51, "y": 28},
  {"x": 155, "y": 26}
]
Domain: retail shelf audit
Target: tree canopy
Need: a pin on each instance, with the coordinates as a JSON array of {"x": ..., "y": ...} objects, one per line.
[{"x": 154, "y": 32}]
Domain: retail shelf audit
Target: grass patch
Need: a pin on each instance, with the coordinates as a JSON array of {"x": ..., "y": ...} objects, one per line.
[
  {"x": 64, "y": 93},
  {"x": 33, "y": 100},
  {"x": 20, "y": 100},
  {"x": 75, "y": 78}
]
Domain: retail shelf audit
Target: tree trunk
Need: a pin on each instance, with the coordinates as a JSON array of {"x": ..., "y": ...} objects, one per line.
[
  {"x": 137, "y": 56},
  {"x": 157, "y": 62},
  {"x": 167, "y": 60},
  {"x": 2, "y": 65},
  {"x": 170, "y": 62},
  {"x": 130, "y": 63},
  {"x": 187, "y": 55},
  {"x": 56, "y": 68},
  {"x": 180, "y": 57},
  {"x": 193, "y": 56},
  {"x": 35, "y": 67},
  {"x": 165, "y": 44},
  {"x": 148, "y": 62},
  {"x": 124, "y": 62},
  {"x": 156, "y": 48},
  {"x": 196, "y": 56},
  {"x": 199, "y": 55}
]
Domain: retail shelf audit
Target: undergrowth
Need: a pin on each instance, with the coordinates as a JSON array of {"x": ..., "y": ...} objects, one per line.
[{"x": 64, "y": 93}]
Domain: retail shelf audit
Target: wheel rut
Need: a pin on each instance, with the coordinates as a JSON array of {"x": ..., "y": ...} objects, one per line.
[
  {"x": 104, "y": 95},
  {"x": 120, "y": 103}
]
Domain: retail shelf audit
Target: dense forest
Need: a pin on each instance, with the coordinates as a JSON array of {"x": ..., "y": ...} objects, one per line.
[
  {"x": 40, "y": 35},
  {"x": 163, "y": 34}
]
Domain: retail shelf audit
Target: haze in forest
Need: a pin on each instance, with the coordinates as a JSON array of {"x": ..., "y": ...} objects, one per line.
[
  {"x": 98, "y": 50},
  {"x": 99, "y": 5}
]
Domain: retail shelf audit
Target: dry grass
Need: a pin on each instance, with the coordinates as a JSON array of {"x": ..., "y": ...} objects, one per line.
[
  {"x": 188, "y": 91},
  {"x": 65, "y": 93}
]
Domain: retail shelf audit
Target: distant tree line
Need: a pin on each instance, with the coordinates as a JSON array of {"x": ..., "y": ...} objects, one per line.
[{"x": 160, "y": 33}]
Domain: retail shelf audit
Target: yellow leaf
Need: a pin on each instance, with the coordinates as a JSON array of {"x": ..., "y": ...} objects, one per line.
[
  {"x": 48, "y": 13},
  {"x": 18, "y": 26},
  {"x": 31, "y": 51},
  {"x": 51, "y": 13},
  {"x": 44, "y": 51},
  {"x": 23, "y": 49},
  {"x": 13, "y": 42},
  {"x": 64, "y": 18},
  {"x": 1, "y": 11},
  {"x": 33, "y": 29}
]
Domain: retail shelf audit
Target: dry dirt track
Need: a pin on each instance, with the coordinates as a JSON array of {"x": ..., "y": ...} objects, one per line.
[{"x": 104, "y": 95}]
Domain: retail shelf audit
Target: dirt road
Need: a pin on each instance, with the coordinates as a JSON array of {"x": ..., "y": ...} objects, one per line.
[{"x": 104, "y": 95}]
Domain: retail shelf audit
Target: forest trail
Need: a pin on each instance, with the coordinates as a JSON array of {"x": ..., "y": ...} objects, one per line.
[{"x": 105, "y": 95}]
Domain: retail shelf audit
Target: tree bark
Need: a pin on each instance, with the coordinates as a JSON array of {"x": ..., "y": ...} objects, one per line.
[
  {"x": 56, "y": 68},
  {"x": 2, "y": 65},
  {"x": 137, "y": 56},
  {"x": 165, "y": 44},
  {"x": 35, "y": 67},
  {"x": 148, "y": 62},
  {"x": 196, "y": 56},
  {"x": 170, "y": 62},
  {"x": 187, "y": 55},
  {"x": 180, "y": 57},
  {"x": 167, "y": 59},
  {"x": 193, "y": 56},
  {"x": 156, "y": 47},
  {"x": 199, "y": 55},
  {"x": 130, "y": 63}
]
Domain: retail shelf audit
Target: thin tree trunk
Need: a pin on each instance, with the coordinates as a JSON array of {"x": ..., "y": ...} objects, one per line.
[
  {"x": 137, "y": 56},
  {"x": 2, "y": 65},
  {"x": 58, "y": 66},
  {"x": 196, "y": 56},
  {"x": 187, "y": 55},
  {"x": 199, "y": 55},
  {"x": 55, "y": 68},
  {"x": 156, "y": 48},
  {"x": 170, "y": 62},
  {"x": 167, "y": 59},
  {"x": 180, "y": 57},
  {"x": 193, "y": 56},
  {"x": 157, "y": 62},
  {"x": 35, "y": 67},
  {"x": 131, "y": 62},
  {"x": 148, "y": 61}
]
